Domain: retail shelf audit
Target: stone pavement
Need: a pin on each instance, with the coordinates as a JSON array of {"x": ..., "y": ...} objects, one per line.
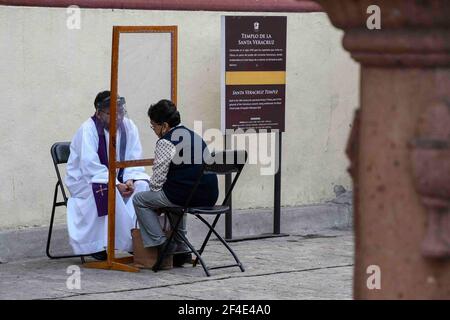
[
  {"x": 30, "y": 242},
  {"x": 318, "y": 266}
]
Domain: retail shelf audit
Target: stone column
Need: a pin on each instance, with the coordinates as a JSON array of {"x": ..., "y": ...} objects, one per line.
[{"x": 399, "y": 147}]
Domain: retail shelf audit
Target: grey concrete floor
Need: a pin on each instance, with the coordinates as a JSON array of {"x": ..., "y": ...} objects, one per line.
[{"x": 295, "y": 267}]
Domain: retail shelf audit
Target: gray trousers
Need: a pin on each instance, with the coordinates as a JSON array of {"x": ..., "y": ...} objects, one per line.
[{"x": 145, "y": 204}]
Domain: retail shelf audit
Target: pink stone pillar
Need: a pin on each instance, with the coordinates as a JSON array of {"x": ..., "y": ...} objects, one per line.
[{"x": 399, "y": 147}]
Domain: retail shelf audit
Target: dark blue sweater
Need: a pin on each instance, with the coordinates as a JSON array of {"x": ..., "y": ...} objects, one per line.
[{"x": 182, "y": 176}]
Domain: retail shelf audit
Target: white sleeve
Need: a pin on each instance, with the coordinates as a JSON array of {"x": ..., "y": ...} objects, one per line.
[{"x": 164, "y": 153}]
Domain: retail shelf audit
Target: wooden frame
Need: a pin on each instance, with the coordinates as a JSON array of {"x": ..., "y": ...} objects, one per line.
[{"x": 113, "y": 263}]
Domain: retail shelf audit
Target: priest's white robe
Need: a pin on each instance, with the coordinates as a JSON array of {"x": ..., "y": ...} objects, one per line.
[{"x": 88, "y": 233}]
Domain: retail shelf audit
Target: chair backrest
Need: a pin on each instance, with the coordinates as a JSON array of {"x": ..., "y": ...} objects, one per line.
[
  {"x": 60, "y": 152},
  {"x": 226, "y": 162},
  {"x": 222, "y": 162}
]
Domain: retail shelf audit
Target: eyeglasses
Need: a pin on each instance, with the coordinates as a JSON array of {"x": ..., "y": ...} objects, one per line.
[{"x": 153, "y": 126}]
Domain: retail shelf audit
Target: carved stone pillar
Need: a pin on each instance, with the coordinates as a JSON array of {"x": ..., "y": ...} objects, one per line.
[{"x": 400, "y": 149}]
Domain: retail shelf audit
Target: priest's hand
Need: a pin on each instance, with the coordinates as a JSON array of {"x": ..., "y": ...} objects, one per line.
[
  {"x": 125, "y": 190},
  {"x": 130, "y": 184}
]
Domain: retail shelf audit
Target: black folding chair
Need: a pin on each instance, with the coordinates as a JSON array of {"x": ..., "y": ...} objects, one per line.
[
  {"x": 60, "y": 152},
  {"x": 227, "y": 162}
]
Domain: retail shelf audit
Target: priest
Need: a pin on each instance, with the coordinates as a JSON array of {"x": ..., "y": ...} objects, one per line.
[{"x": 87, "y": 181}]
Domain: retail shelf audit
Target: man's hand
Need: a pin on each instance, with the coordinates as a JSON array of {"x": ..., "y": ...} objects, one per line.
[
  {"x": 130, "y": 184},
  {"x": 126, "y": 189}
]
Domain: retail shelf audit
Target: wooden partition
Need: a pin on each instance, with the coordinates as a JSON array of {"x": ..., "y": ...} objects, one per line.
[{"x": 143, "y": 70}]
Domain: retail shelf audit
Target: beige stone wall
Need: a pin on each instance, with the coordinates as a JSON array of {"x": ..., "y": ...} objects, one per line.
[{"x": 50, "y": 76}]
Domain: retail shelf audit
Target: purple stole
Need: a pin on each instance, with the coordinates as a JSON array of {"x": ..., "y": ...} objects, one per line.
[{"x": 100, "y": 190}]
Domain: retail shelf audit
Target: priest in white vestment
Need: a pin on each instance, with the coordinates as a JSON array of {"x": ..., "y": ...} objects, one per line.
[{"x": 87, "y": 181}]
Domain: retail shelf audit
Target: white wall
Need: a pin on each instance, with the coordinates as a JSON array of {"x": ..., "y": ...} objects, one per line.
[{"x": 50, "y": 76}]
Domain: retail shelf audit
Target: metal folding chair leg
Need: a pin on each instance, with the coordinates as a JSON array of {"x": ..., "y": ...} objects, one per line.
[
  {"x": 197, "y": 254},
  {"x": 161, "y": 256},
  {"x": 207, "y": 238},
  {"x": 239, "y": 264},
  {"x": 50, "y": 229},
  {"x": 175, "y": 231}
]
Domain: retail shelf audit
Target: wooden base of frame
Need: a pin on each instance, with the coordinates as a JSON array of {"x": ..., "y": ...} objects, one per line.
[{"x": 118, "y": 264}]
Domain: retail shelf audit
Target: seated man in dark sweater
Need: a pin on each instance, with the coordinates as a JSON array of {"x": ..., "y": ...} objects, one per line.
[{"x": 177, "y": 164}]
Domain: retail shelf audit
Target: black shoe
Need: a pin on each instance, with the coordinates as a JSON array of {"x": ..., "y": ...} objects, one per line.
[
  {"x": 182, "y": 247},
  {"x": 181, "y": 258},
  {"x": 171, "y": 249},
  {"x": 167, "y": 262},
  {"x": 101, "y": 255}
]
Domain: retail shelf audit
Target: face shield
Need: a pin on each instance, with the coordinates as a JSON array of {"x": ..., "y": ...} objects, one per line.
[{"x": 121, "y": 112}]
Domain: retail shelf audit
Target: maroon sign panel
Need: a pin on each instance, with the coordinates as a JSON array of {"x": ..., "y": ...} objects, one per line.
[{"x": 253, "y": 72}]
